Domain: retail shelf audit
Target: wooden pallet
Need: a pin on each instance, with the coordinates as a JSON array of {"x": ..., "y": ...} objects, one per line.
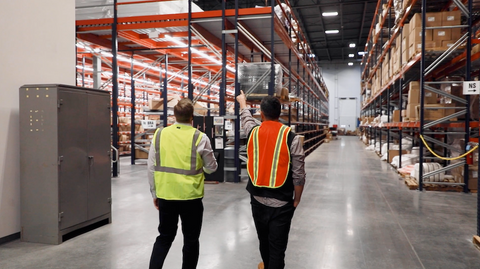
[{"x": 412, "y": 184}]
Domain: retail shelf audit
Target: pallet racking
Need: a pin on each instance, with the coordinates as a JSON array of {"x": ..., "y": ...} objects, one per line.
[
  {"x": 196, "y": 55},
  {"x": 438, "y": 69}
]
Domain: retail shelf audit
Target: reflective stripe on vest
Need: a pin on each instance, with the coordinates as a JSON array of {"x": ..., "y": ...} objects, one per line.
[
  {"x": 193, "y": 158},
  {"x": 268, "y": 163}
]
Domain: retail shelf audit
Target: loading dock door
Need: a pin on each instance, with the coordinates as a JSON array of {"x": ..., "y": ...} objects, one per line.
[{"x": 348, "y": 113}]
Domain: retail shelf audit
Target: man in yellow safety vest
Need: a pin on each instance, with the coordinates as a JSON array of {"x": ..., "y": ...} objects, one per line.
[
  {"x": 178, "y": 158},
  {"x": 276, "y": 169}
]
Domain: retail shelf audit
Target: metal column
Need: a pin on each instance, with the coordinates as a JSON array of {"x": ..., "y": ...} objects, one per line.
[
  {"x": 132, "y": 120},
  {"x": 114, "y": 85}
]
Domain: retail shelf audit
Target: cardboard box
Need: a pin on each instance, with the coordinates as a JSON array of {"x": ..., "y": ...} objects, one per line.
[
  {"x": 429, "y": 45},
  {"x": 433, "y": 19},
  {"x": 434, "y": 114},
  {"x": 414, "y": 92},
  {"x": 404, "y": 113},
  {"x": 139, "y": 154},
  {"x": 442, "y": 34},
  {"x": 394, "y": 152},
  {"x": 450, "y": 18},
  {"x": 430, "y": 97},
  {"x": 472, "y": 177},
  {"x": 447, "y": 44},
  {"x": 415, "y": 36},
  {"x": 396, "y": 116},
  {"x": 405, "y": 56},
  {"x": 456, "y": 33},
  {"x": 411, "y": 111},
  {"x": 415, "y": 22},
  {"x": 155, "y": 104}
]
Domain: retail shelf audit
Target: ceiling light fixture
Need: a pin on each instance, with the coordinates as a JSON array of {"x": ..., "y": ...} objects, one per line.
[
  {"x": 330, "y": 14},
  {"x": 350, "y": 64},
  {"x": 329, "y": 32},
  {"x": 352, "y": 45},
  {"x": 351, "y": 55},
  {"x": 361, "y": 53}
]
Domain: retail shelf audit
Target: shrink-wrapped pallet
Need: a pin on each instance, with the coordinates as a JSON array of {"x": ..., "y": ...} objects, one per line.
[{"x": 254, "y": 79}]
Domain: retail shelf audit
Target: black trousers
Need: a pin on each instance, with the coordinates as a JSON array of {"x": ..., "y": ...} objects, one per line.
[
  {"x": 273, "y": 226},
  {"x": 191, "y": 215}
]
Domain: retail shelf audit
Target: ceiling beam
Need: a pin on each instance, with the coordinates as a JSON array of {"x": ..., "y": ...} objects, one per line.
[
  {"x": 361, "y": 27},
  {"x": 324, "y": 34},
  {"x": 341, "y": 28},
  {"x": 334, "y": 4}
]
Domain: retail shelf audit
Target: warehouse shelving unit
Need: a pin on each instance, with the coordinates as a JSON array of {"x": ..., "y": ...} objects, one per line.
[
  {"x": 183, "y": 54},
  {"x": 430, "y": 66}
]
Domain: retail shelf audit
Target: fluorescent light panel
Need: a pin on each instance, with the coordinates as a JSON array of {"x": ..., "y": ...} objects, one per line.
[
  {"x": 351, "y": 55},
  {"x": 361, "y": 53},
  {"x": 352, "y": 45},
  {"x": 350, "y": 64},
  {"x": 329, "y": 32},
  {"x": 330, "y": 14}
]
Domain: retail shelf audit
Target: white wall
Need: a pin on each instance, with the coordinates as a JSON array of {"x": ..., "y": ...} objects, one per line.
[
  {"x": 37, "y": 46},
  {"x": 342, "y": 81}
]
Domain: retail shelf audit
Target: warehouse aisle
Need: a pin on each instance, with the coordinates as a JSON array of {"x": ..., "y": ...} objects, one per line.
[{"x": 355, "y": 213}]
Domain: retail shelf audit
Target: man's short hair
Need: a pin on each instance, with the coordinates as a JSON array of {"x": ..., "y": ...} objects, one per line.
[
  {"x": 183, "y": 111},
  {"x": 271, "y": 107}
]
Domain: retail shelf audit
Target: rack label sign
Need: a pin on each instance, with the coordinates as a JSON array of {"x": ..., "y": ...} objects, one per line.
[
  {"x": 471, "y": 87},
  {"x": 148, "y": 124}
]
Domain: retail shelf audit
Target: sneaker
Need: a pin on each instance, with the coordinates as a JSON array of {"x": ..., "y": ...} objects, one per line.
[{"x": 261, "y": 266}]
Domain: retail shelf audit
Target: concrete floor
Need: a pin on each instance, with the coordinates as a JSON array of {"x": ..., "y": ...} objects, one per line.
[{"x": 355, "y": 213}]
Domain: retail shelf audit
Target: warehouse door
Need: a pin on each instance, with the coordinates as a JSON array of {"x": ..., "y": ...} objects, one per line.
[{"x": 348, "y": 113}]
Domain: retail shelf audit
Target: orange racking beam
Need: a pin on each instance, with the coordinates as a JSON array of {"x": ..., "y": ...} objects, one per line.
[{"x": 132, "y": 36}]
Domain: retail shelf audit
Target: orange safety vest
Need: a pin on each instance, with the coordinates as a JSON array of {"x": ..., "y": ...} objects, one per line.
[{"x": 268, "y": 155}]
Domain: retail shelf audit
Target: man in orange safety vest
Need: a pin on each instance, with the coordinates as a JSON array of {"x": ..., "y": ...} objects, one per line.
[{"x": 276, "y": 169}]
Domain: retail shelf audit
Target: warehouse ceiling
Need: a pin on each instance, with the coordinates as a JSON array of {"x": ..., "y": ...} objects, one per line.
[{"x": 353, "y": 23}]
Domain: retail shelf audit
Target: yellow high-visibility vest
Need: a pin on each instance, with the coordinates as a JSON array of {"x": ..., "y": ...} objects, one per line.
[{"x": 178, "y": 167}]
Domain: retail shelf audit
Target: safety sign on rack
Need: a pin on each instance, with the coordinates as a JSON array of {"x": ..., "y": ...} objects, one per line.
[
  {"x": 471, "y": 87},
  {"x": 149, "y": 124}
]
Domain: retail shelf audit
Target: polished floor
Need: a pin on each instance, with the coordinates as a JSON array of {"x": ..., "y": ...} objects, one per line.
[{"x": 355, "y": 213}]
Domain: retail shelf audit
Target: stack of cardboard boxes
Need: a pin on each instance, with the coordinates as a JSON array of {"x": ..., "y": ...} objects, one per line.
[
  {"x": 435, "y": 39},
  {"x": 409, "y": 44}
]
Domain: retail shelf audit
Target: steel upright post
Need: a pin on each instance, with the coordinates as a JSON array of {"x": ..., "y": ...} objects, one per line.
[
  {"x": 190, "y": 85},
  {"x": 132, "y": 115},
  {"x": 271, "y": 88},
  {"x": 115, "y": 86},
  {"x": 165, "y": 93},
  {"x": 237, "y": 107}
]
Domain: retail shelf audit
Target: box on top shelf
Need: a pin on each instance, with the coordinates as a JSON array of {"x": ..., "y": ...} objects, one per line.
[
  {"x": 442, "y": 34},
  {"x": 433, "y": 19},
  {"x": 451, "y": 18}
]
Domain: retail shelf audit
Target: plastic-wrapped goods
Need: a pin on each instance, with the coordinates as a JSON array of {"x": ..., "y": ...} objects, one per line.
[
  {"x": 94, "y": 9},
  {"x": 427, "y": 168},
  {"x": 280, "y": 14},
  {"x": 407, "y": 159},
  {"x": 256, "y": 77},
  {"x": 370, "y": 148},
  {"x": 377, "y": 146},
  {"x": 398, "y": 7},
  {"x": 406, "y": 169}
]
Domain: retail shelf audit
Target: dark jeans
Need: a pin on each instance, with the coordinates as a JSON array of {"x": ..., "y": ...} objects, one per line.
[
  {"x": 273, "y": 226},
  {"x": 191, "y": 214}
]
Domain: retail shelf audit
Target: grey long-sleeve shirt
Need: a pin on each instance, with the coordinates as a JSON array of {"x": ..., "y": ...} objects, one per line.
[
  {"x": 204, "y": 148},
  {"x": 297, "y": 156}
]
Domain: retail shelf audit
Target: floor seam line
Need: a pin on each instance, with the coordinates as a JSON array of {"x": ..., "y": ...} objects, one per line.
[{"x": 399, "y": 225}]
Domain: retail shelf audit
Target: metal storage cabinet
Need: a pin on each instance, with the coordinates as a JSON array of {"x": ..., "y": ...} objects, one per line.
[{"x": 65, "y": 181}]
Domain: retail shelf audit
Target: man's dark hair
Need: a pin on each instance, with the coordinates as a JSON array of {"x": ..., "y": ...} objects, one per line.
[
  {"x": 183, "y": 111},
  {"x": 271, "y": 107}
]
